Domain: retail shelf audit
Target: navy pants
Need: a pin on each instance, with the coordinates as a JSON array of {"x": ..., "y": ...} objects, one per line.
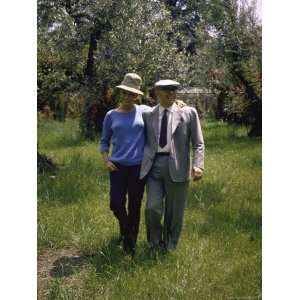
[{"x": 126, "y": 185}]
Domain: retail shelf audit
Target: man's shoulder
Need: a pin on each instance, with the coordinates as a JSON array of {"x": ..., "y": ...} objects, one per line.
[{"x": 187, "y": 109}]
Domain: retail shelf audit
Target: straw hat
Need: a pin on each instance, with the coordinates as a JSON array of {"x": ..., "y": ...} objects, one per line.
[{"x": 132, "y": 83}]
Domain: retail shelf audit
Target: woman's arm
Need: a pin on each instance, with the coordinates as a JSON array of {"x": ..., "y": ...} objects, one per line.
[{"x": 105, "y": 142}]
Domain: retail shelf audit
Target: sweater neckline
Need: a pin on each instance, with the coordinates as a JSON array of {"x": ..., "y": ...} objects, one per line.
[{"x": 126, "y": 112}]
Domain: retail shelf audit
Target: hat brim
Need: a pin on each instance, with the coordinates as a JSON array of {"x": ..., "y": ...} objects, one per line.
[
  {"x": 176, "y": 87},
  {"x": 129, "y": 89},
  {"x": 166, "y": 82}
]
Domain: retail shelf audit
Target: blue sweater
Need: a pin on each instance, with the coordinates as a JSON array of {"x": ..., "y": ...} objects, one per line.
[{"x": 125, "y": 131}]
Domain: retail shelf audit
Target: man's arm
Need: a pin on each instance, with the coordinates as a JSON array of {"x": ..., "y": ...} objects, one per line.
[{"x": 198, "y": 145}]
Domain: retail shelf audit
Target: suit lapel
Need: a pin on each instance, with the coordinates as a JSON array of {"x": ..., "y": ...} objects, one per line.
[
  {"x": 154, "y": 121},
  {"x": 176, "y": 118}
]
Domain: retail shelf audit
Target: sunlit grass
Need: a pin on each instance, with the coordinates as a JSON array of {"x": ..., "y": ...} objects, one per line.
[{"x": 219, "y": 253}]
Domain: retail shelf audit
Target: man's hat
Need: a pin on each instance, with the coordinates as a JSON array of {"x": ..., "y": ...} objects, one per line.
[
  {"x": 132, "y": 83},
  {"x": 166, "y": 82}
]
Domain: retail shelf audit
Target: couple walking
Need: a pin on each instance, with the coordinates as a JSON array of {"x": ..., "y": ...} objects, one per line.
[{"x": 151, "y": 147}]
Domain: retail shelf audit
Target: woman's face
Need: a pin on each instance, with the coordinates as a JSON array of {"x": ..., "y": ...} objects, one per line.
[{"x": 128, "y": 98}]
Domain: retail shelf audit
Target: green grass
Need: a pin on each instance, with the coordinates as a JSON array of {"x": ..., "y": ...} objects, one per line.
[{"x": 219, "y": 253}]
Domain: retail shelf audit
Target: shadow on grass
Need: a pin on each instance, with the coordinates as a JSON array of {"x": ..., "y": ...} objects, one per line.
[
  {"x": 209, "y": 194},
  {"x": 231, "y": 143},
  {"x": 221, "y": 221},
  {"x": 74, "y": 182},
  {"x": 107, "y": 261}
]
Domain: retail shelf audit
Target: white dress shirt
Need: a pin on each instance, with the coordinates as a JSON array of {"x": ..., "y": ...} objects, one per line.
[{"x": 167, "y": 147}]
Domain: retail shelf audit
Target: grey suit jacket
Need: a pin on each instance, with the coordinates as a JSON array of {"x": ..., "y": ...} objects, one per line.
[{"x": 186, "y": 129}]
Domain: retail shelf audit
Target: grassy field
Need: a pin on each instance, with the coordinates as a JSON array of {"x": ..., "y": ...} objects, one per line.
[{"x": 219, "y": 253}]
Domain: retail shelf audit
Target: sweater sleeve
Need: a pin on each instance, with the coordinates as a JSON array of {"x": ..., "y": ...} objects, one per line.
[{"x": 106, "y": 133}]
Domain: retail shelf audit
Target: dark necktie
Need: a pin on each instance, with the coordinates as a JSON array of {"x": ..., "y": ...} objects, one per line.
[{"x": 163, "y": 130}]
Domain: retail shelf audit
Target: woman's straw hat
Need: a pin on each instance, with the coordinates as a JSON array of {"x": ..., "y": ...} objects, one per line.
[{"x": 132, "y": 83}]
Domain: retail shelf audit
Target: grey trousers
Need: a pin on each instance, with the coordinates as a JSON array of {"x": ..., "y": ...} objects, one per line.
[{"x": 164, "y": 198}]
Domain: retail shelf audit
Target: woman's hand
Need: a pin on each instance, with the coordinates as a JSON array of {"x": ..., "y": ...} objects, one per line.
[{"x": 111, "y": 166}]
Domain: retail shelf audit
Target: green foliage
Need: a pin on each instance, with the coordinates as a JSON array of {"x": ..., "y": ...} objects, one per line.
[
  {"x": 138, "y": 43},
  {"x": 142, "y": 47},
  {"x": 225, "y": 37},
  {"x": 59, "y": 66},
  {"x": 86, "y": 47},
  {"x": 236, "y": 50}
]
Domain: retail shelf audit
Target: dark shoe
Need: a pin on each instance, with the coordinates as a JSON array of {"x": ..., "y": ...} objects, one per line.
[
  {"x": 171, "y": 247},
  {"x": 162, "y": 244},
  {"x": 129, "y": 245}
]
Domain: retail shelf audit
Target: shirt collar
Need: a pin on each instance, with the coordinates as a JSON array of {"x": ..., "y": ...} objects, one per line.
[{"x": 169, "y": 109}]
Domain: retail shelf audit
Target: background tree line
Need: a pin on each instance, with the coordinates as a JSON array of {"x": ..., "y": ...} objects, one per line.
[{"x": 86, "y": 47}]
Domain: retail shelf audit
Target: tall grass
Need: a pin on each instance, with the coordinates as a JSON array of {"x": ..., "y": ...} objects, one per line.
[{"x": 219, "y": 253}]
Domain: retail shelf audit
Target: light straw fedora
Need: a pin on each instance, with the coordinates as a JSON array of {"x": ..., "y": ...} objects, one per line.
[{"x": 132, "y": 83}]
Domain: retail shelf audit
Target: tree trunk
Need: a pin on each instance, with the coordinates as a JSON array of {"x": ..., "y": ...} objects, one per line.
[
  {"x": 255, "y": 106},
  {"x": 90, "y": 70}
]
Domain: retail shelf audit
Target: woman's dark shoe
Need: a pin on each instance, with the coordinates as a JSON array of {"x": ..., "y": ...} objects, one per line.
[{"x": 129, "y": 245}]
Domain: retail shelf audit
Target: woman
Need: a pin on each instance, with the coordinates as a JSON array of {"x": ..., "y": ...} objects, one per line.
[{"x": 124, "y": 129}]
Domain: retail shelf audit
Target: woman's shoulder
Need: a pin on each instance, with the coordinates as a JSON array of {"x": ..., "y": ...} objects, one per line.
[
  {"x": 111, "y": 112},
  {"x": 109, "y": 116}
]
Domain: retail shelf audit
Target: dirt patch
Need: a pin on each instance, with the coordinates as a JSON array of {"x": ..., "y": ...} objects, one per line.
[{"x": 57, "y": 263}]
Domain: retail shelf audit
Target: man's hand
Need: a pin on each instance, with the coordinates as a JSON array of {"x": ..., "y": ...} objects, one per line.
[
  {"x": 111, "y": 166},
  {"x": 197, "y": 173}
]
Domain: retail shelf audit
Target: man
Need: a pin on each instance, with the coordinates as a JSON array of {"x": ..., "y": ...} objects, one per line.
[{"x": 169, "y": 130}]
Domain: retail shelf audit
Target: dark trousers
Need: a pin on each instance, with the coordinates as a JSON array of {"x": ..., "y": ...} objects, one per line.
[{"x": 126, "y": 182}]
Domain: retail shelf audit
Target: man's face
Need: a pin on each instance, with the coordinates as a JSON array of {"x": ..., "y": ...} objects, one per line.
[{"x": 166, "y": 95}]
